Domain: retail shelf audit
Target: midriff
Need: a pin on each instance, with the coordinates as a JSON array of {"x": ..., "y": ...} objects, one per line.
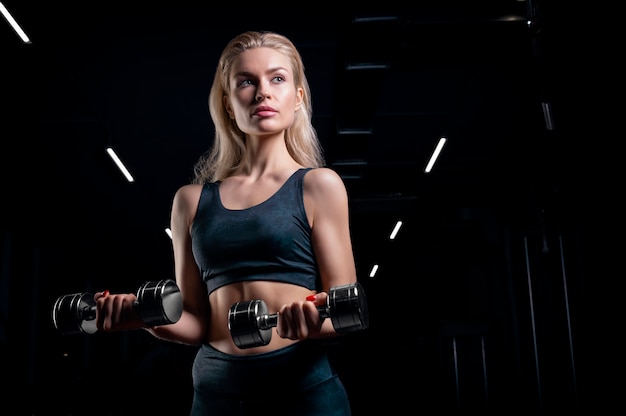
[{"x": 274, "y": 294}]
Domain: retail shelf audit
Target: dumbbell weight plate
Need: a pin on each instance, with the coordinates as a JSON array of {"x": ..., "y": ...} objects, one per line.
[
  {"x": 159, "y": 302},
  {"x": 74, "y": 314},
  {"x": 349, "y": 308},
  {"x": 244, "y": 326}
]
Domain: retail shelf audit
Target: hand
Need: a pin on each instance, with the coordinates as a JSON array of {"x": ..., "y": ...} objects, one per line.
[
  {"x": 301, "y": 319},
  {"x": 116, "y": 312}
]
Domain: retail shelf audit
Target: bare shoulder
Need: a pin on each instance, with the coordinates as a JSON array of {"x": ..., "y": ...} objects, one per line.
[
  {"x": 186, "y": 197},
  {"x": 324, "y": 180}
]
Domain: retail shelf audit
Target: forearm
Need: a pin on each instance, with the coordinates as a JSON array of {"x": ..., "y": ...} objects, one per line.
[{"x": 187, "y": 330}]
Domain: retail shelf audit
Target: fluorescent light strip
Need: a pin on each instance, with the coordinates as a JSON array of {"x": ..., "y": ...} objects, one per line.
[
  {"x": 14, "y": 24},
  {"x": 435, "y": 155},
  {"x": 120, "y": 165},
  {"x": 395, "y": 230},
  {"x": 374, "y": 270}
]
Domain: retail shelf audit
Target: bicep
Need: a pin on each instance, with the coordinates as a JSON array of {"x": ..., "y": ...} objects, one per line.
[
  {"x": 331, "y": 230},
  {"x": 185, "y": 268}
]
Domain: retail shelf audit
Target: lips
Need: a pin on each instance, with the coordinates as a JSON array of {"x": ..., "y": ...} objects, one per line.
[{"x": 264, "y": 111}]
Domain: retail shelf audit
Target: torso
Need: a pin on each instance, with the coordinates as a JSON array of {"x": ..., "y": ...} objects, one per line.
[{"x": 238, "y": 193}]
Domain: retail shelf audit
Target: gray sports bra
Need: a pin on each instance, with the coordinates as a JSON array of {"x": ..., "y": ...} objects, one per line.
[{"x": 269, "y": 241}]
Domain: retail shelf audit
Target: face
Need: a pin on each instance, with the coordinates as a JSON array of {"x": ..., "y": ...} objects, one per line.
[{"x": 263, "y": 98}]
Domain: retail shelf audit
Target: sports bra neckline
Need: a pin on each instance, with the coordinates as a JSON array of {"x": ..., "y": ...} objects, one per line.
[{"x": 265, "y": 201}]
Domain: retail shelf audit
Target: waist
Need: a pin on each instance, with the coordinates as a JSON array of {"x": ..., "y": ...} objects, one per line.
[
  {"x": 305, "y": 279},
  {"x": 300, "y": 365},
  {"x": 273, "y": 294}
]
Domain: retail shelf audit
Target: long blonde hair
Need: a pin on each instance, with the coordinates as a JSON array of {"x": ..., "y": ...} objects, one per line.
[{"x": 228, "y": 148}]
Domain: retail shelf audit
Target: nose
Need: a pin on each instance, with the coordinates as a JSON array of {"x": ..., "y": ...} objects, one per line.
[{"x": 261, "y": 94}]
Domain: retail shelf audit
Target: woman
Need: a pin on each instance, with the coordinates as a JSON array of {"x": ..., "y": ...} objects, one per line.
[{"x": 263, "y": 219}]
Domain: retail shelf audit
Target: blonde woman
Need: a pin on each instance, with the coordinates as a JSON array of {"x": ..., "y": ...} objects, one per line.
[{"x": 263, "y": 219}]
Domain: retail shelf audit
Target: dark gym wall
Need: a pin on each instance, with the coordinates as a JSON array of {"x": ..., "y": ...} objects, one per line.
[{"x": 485, "y": 303}]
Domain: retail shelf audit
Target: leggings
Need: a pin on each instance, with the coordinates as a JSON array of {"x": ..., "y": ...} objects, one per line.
[{"x": 297, "y": 380}]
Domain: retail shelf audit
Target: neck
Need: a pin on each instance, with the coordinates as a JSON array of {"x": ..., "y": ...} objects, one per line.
[{"x": 266, "y": 154}]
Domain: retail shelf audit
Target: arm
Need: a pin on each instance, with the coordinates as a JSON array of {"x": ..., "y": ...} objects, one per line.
[
  {"x": 115, "y": 312},
  {"x": 326, "y": 202},
  {"x": 192, "y": 326}
]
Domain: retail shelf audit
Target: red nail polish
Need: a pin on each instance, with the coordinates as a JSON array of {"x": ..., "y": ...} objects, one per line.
[
  {"x": 105, "y": 293},
  {"x": 311, "y": 297}
]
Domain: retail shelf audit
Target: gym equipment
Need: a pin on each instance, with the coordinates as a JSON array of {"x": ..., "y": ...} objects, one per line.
[
  {"x": 158, "y": 303},
  {"x": 250, "y": 324}
]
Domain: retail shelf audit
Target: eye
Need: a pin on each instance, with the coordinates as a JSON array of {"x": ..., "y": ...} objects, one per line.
[
  {"x": 278, "y": 79},
  {"x": 244, "y": 82}
]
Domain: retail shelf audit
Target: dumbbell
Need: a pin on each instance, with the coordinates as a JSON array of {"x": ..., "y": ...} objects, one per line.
[
  {"x": 250, "y": 324},
  {"x": 158, "y": 303}
]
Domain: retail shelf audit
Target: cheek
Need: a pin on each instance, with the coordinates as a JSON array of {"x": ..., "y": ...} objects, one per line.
[
  {"x": 238, "y": 107},
  {"x": 290, "y": 100},
  {"x": 242, "y": 98}
]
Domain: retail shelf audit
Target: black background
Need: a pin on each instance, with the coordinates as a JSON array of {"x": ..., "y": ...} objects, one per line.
[{"x": 492, "y": 299}]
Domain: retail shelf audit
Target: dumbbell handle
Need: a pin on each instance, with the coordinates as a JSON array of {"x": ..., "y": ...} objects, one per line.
[{"x": 267, "y": 321}]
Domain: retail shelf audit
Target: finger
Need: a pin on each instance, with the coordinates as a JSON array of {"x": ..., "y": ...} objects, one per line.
[
  {"x": 301, "y": 320},
  {"x": 312, "y": 317},
  {"x": 99, "y": 295},
  {"x": 292, "y": 322},
  {"x": 124, "y": 312},
  {"x": 281, "y": 323},
  {"x": 108, "y": 309},
  {"x": 318, "y": 299},
  {"x": 116, "y": 312}
]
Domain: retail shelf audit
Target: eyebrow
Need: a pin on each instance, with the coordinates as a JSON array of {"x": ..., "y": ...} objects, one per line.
[{"x": 269, "y": 71}]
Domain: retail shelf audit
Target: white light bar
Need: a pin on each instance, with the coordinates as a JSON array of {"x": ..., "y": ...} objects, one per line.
[
  {"x": 374, "y": 270},
  {"x": 435, "y": 155},
  {"x": 395, "y": 230},
  {"x": 14, "y": 24},
  {"x": 120, "y": 165}
]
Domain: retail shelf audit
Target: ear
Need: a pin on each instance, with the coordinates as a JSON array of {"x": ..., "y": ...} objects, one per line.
[
  {"x": 299, "y": 98},
  {"x": 227, "y": 106}
]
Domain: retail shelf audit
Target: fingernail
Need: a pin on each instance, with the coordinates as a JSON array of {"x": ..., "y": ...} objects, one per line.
[
  {"x": 311, "y": 297},
  {"x": 105, "y": 293}
]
